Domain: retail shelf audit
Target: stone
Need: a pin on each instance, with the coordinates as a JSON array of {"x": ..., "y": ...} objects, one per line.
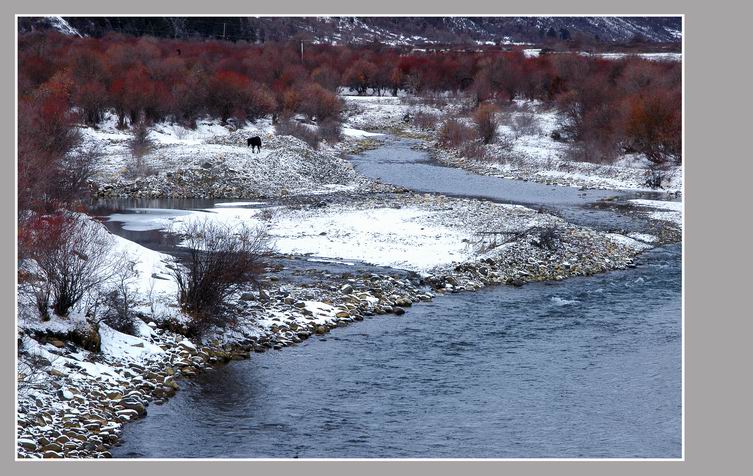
[
  {"x": 65, "y": 394},
  {"x": 27, "y": 444}
]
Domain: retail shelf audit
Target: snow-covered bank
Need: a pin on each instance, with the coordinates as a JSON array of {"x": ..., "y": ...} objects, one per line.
[
  {"x": 214, "y": 161},
  {"x": 665, "y": 211},
  {"x": 526, "y": 149},
  {"x": 79, "y": 398},
  {"x": 81, "y": 380},
  {"x": 82, "y": 392}
]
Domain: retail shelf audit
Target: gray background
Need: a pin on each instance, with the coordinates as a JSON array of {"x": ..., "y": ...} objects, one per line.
[{"x": 717, "y": 256}]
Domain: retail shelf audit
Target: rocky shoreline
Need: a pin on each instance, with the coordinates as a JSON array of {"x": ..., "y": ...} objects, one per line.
[
  {"x": 76, "y": 399},
  {"x": 82, "y": 416}
]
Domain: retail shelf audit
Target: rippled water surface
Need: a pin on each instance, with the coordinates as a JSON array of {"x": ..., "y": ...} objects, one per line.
[
  {"x": 399, "y": 163},
  {"x": 586, "y": 367}
]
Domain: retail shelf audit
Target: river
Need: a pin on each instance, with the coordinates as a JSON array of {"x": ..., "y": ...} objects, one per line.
[{"x": 586, "y": 367}]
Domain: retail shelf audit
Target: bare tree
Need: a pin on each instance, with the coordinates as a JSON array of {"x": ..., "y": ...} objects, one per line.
[
  {"x": 120, "y": 299},
  {"x": 72, "y": 258},
  {"x": 77, "y": 168},
  {"x": 486, "y": 122},
  {"x": 140, "y": 144},
  {"x": 221, "y": 258}
]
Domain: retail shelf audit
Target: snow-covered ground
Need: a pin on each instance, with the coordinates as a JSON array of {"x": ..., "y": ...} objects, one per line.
[
  {"x": 535, "y": 52},
  {"x": 423, "y": 234},
  {"x": 666, "y": 211},
  {"x": 379, "y": 113},
  {"x": 454, "y": 244},
  {"x": 215, "y": 161},
  {"x": 525, "y": 149}
]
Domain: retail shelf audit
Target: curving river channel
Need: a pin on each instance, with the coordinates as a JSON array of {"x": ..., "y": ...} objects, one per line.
[{"x": 586, "y": 367}]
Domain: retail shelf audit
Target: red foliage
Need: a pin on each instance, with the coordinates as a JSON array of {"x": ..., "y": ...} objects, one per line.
[
  {"x": 146, "y": 77},
  {"x": 654, "y": 125}
]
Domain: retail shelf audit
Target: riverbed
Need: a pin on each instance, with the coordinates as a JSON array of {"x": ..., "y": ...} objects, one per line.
[{"x": 586, "y": 367}]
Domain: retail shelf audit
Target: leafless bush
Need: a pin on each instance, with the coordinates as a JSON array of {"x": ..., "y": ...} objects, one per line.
[
  {"x": 30, "y": 374},
  {"x": 77, "y": 169},
  {"x": 505, "y": 142},
  {"x": 454, "y": 133},
  {"x": 486, "y": 122},
  {"x": 292, "y": 128},
  {"x": 71, "y": 257},
  {"x": 473, "y": 150},
  {"x": 427, "y": 98},
  {"x": 330, "y": 130},
  {"x": 221, "y": 258},
  {"x": 593, "y": 150},
  {"x": 120, "y": 300},
  {"x": 524, "y": 124},
  {"x": 426, "y": 120},
  {"x": 180, "y": 132},
  {"x": 140, "y": 145}
]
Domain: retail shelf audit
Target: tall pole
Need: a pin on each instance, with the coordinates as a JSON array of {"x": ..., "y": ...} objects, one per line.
[
  {"x": 223, "y": 31},
  {"x": 301, "y": 51}
]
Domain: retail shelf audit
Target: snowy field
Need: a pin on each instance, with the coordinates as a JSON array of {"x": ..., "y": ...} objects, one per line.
[
  {"x": 666, "y": 211},
  {"x": 215, "y": 161},
  {"x": 425, "y": 233},
  {"x": 525, "y": 149}
]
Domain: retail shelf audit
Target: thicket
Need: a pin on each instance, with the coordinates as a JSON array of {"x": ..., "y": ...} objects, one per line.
[{"x": 629, "y": 105}]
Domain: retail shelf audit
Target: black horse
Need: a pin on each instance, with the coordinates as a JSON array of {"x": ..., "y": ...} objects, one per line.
[{"x": 254, "y": 142}]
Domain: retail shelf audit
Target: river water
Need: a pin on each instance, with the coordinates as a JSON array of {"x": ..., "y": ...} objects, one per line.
[{"x": 586, "y": 367}]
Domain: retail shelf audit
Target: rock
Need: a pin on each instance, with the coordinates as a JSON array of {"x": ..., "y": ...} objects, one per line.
[
  {"x": 58, "y": 343},
  {"x": 398, "y": 311},
  {"x": 248, "y": 297},
  {"x": 27, "y": 444},
  {"x": 52, "y": 447},
  {"x": 347, "y": 289},
  {"x": 65, "y": 394}
]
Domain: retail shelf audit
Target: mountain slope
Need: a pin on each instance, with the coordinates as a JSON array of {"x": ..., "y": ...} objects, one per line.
[{"x": 395, "y": 30}]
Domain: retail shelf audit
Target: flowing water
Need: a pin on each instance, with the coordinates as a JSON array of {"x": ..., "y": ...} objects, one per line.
[{"x": 586, "y": 367}]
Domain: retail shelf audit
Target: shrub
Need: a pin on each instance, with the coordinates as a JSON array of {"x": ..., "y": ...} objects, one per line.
[
  {"x": 291, "y": 127},
  {"x": 140, "y": 144},
  {"x": 45, "y": 135},
  {"x": 260, "y": 102},
  {"x": 330, "y": 130},
  {"x": 486, "y": 122},
  {"x": 119, "y": 301},
  {"x": 654, "y": 126},
  {"x": 71, "y": 256},
  {"x": 425, "y": 120},
  {"x": 319, "y": 103},
  {"x": 454, "y": 133},
  {"x": 524, "y": 124},
  {"x": 77, "y": 169},
  {"x": 220, "y": 259}
]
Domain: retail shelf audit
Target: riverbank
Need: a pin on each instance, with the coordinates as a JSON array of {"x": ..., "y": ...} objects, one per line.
[
  {"x": 529, "y": 144},
  {"x": 82, "y": 381},
  {"x": 82, "y": 393}
]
